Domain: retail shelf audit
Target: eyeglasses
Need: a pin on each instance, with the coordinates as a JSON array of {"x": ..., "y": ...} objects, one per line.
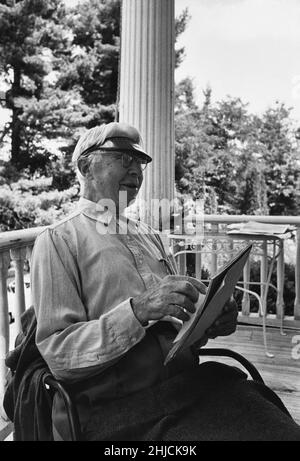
[{"x": 127, "y": 159}]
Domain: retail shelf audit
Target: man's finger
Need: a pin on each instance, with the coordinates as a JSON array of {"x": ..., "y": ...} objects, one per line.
[
  {"x": 182, "y": 301},
  {"x": 196, "y": 283},
  {"x": 199, "y": 285},
  {"x": 230, "y": 305},
  {"x": 187, "y": 289},
  {"x": 179, "y": 312}
]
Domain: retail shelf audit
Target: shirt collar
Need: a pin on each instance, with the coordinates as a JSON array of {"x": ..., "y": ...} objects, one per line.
[{"x": 94, "y": 211}]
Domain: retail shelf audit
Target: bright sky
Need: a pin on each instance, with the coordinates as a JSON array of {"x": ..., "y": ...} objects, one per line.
[{"x": 245, "y": 48}]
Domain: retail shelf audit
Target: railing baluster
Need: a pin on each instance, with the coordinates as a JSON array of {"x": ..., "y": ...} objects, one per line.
[
  {"x": 30, "y": 248},
  {"x": 214, "y": 256},
  {"x": 280, "y": 281},
  {"x": 297, "y": 278},
  {"x": 246, "y": 297},
  {"x": 4, "y": 324},
  {"x": 182, "y": 264},
  {"x": 28, "y": 257},
  {"x": 198, "y": 263},
  {"x": 18, "y": 257}
]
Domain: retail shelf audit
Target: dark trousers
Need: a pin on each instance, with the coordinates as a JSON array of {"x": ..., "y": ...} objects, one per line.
[{"x": 212, "y": 402}]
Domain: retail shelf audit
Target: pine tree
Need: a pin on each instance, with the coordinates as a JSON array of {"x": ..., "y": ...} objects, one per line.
[
  {"x": 30, "y": 30},
  {"x": 281, "y": 157},
  {"x": 62, "y": 68}
]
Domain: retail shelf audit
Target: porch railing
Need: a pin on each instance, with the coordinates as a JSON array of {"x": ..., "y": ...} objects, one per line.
[
  {"x": 215, "y": 229},
  {"x": 16, "y": 248}
]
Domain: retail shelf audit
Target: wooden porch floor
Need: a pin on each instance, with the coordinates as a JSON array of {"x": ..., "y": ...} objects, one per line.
[{"x": 281, "y": 373}]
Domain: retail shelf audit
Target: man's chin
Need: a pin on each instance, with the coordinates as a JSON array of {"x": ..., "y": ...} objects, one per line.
[
  {"x": 126, "y": 199},
  {"x": 127, "y": 196}
]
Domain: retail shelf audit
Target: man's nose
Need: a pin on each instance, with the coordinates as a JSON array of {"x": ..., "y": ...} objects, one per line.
[{"x": 135, "y": 168}]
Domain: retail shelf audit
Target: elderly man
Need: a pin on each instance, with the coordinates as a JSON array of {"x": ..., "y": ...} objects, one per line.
[{"x": 108, "y": 302}]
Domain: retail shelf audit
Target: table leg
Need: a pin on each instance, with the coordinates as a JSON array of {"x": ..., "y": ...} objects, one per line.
[
  {"x": 263, "y": 277},
  {"x": 280, "y": 286}
]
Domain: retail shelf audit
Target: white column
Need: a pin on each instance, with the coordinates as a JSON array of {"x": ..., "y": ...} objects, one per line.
[{"x": 147, "y": 89}]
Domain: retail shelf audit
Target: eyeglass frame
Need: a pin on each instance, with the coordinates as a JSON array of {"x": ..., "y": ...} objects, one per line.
[{"x": 140, "y": 161}]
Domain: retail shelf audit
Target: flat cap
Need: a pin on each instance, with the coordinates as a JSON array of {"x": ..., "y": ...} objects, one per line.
[{"x": 111, "y": 137}]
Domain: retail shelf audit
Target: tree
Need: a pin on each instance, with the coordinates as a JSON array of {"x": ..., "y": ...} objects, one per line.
[
  {"x": 204, "y": 166},
  {"x": 181, "y": 23},
  {"x": 248, "y": 164},
  {"x": 30, "y": 31},
  {"x": 61, "y": 66},
  {"x": 281, "y": 157},
  {"x": 92, "y": 65}
]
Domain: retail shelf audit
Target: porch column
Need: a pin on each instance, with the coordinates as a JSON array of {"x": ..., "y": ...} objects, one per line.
[{"x": 146, "y": 98}]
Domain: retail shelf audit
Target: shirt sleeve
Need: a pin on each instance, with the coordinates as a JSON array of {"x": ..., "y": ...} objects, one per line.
[{"x": 73, "y": 346}]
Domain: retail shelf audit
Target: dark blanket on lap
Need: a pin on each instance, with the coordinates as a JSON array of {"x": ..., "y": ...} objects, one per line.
[{"x": 212, "y": 402}]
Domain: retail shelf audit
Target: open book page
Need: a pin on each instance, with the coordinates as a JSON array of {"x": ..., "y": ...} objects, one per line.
[
  {"x": 201, "y": 304},
  {"x": 218, "y": 293},
  {"x": 259, "y": 228}
]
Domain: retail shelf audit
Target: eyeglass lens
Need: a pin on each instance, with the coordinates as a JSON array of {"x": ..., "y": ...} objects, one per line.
[{"x": 128, "y": 159}]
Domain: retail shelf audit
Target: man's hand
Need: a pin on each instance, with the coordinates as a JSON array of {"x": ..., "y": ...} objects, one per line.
[
  {"x": 176, "y": 295},
  {"x": 224, "y": 325}
]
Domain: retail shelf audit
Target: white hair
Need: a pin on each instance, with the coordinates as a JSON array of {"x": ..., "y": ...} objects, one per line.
[{"x": 92, "y": 137}]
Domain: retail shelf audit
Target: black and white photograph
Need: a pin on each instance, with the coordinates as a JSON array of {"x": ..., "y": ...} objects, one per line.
[{"x": 149, "y": 223}]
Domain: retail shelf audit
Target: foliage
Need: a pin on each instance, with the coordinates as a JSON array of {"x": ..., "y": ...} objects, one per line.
[
  {"x": 31, "y": 36},
  {"x": 30, "y": 203},
  {"x": 60, "y": 66},
  {"x": 180, "y": 25},
  {"x": 236, "y": 161}
]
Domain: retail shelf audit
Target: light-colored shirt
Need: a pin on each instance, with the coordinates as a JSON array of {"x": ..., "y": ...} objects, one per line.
[{"x": 83, "y": 276}]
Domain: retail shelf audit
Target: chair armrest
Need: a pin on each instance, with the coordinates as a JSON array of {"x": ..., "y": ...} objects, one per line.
[
  {"x": 71, "y": 410},
  {"x": 219, "y": 352}
]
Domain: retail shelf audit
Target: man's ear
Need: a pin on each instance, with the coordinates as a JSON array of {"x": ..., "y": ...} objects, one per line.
[{"x": 84, "y": 166}]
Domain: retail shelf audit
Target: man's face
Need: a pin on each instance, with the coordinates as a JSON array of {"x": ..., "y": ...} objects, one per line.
[{"x": 110, "y": 178}]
